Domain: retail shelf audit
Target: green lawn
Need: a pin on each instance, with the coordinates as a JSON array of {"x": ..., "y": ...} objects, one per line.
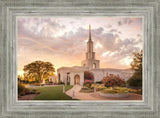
[{"x": 53, "y": 93}]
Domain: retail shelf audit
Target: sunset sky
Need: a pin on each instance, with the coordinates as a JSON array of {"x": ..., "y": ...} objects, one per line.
[{"x": 63, "y": 40}]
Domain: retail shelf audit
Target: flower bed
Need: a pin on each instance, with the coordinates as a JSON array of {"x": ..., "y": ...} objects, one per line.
[
  {"x": 88, "y": 83},
  {"x": 98, "y": 87},
  {"x": 86, "y": 90},
  {"x": 136, "y": 91},
  {"x": 22, "y": 91},
  {"x": 113, "y": 81},
  {"x": 116, "y": 92}
]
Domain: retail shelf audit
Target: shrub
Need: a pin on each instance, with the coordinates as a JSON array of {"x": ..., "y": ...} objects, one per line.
[
  {"x": 60, "y": 82},
  {"x": 51, "y": 83},
  {"x": 113, "y": 81},
  {"x": 85, "y": 88},
  {"x": 41, "y": 84},
  {"x": 21, "y": 87},
  {"x": 88, "y": 83},
  {"x": 37, "y": 84},
  {"x": 22, "y": 93},
  {"x": 98, "y": 87},
  {"x": 68, "y": 83},
  {"x": 33, "y": 91},
  {"x": 99, "y": 82},
  {"x": 37, "y": 92},
  {"x": 19, "y": 96},
  {"x": 139, "y": 91},
  {"x": 27, "y": 91},
  {"x": 135, "y": 80}
]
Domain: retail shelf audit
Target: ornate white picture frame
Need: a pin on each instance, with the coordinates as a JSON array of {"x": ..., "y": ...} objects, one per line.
[{"x": 11, "y": 107}]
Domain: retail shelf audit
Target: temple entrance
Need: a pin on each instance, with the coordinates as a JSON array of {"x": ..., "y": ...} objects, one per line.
[
  {"x": 94, "y": 65},
  {"x": 77, "y": 80}
]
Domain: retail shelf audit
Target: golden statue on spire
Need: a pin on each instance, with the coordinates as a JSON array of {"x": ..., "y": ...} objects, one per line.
[{"x": 89, "y": 32}]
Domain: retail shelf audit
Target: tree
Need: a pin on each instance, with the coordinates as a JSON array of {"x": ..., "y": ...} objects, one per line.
[
  {"x": 136, "y": 64},
  {"x": 20, "y": 77},
  {"x": 38, "y": 70}
]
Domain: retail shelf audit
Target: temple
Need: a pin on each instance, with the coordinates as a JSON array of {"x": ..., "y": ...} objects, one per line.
[
  {"x": 75, "y": 75},
  {"x": 90, "y": 61}
]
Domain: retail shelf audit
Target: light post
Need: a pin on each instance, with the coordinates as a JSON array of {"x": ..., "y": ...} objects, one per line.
[
  {"x": 73, "y": 96},
  {"x": 63, "y": 89}
]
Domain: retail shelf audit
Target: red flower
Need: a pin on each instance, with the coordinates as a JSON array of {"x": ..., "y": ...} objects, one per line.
[
  {"x": 112, "y": 80},
  {"x": 88, "y": 81}
]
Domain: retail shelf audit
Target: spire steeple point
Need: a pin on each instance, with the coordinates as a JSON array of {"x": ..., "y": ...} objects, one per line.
[
  {"x": 89, "y": 32},
  {"x": 89, "y": 27}
]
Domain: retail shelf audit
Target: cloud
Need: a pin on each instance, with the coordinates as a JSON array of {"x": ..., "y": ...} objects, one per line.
[
  {"x": 113, "y": 30},
  {"x": 125, "y": 21},
  {"x": 39, "y": 27},
  {"x": 109, "y": 26},
  {"x": 48, "y": 38}
]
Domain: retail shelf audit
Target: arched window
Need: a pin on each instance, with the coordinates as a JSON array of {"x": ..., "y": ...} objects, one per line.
[{"x": 94, "y": 65}]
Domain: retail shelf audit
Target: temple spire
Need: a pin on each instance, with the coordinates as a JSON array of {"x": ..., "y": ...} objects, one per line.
[{"x": 89, "y": 32}]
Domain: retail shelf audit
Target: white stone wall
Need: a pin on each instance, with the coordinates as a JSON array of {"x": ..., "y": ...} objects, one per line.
[
  {"x": 99, "y": 74},
  {"x": 73, "y": 72}
]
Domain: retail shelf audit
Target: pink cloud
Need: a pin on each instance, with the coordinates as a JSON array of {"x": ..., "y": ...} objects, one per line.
[{"x": 38, "y": 39}]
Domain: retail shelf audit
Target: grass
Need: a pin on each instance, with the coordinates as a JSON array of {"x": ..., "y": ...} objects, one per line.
[{"x": 53, "y": 93}]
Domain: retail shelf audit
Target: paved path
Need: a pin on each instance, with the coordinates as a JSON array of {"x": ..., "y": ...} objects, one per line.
[
  {"x": 96, "y": 96},
  {"x": 80, "y": 95}
]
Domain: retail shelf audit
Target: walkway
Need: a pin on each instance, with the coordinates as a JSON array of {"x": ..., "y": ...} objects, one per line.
[{"x": 96, "y": 96}]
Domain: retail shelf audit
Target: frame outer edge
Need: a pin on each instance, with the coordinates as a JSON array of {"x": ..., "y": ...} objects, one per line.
[{"x": 101, "y": 114}]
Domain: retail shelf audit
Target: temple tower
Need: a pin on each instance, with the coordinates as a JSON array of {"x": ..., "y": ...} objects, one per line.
[{"x": 90, "y": 61}]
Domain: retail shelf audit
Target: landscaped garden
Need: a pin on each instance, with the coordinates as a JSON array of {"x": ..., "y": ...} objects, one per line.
[
  {"x": 41, "y": 88},
  {"x": 22, "y": 91},
  {"x": 53, "y": 93},
  {"x": 111, "y": 84},
  {"x": 44, "y": 93},
  {"x": 37, "y": 84}
]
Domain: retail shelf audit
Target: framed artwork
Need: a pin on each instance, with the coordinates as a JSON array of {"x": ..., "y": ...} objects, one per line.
[
  {"x": 79, "y": 58},
  {"x": 46, "y": 48}
]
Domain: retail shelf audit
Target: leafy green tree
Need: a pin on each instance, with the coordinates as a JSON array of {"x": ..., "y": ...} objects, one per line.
[
  {"x": 136, "y": 64},
  {"x": 38, "y": 70}
]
